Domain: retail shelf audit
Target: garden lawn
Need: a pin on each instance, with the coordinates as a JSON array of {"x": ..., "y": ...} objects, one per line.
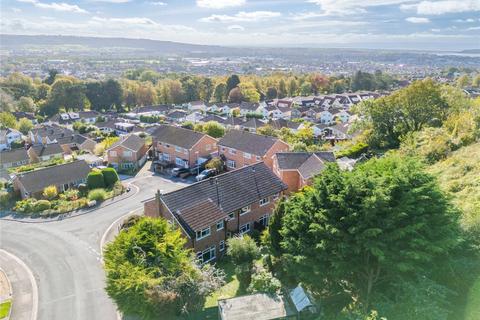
[
  {"x": 230, "y": 289},
  {"x": 5, "y": 308},
  {"x": 472, "y": 310}
]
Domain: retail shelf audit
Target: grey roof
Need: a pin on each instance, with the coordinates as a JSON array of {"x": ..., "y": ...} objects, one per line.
[
  {"x": 15, "y": 155},
  {"x": 89, "y": 114},
  {"x": 282, "y": 123},
  {"x": 177, "y": 114},
  {"x": 308, "y": 164},
  {"x": 132, "y": 142},
  {"x": 249, "y": 106},
  {"x": 248, "y": 142},
  {"x": 213, "y": 117},
  {"x": 47, "y": 150},
  {"x": 177, "y": 136},
  {"x": 254, "y": 123},
  {"x": 76, "y": 138},
  {"x": 233, "y": 121},
  {"x": 200, "y": 215},
  {"x": 37, "y": 180},
  {"x": 229, "y": 191}
]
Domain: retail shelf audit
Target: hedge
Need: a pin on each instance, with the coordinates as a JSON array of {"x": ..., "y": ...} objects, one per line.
[
  {"x": 110, "y": 176},
  {"x": 41, "y": 205},
  {"x": 95, "y": 180},
  {"x": 97, "y": 195},
  {"x": 354, "y": 151}
]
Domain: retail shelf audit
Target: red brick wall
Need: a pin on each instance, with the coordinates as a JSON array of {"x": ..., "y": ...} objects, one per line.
[{"x": 205, "y": 146}]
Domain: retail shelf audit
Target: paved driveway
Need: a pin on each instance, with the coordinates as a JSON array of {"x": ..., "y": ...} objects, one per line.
[{"x": 64, "y": 255}]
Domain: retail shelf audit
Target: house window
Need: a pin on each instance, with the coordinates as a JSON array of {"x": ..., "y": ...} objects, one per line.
[
  {"x": 180, "y": 162},
  {"x": 178, "y": 149},
  {"x": 245, "y": 210},
  {"x": 127, "y": 153},
  {"x": 264, "y": 220},
  {"x": 245, "y": 228},
  {"x": 247, "y": 155},
  {"x": 276, "y": 196},
  {"x": 165, "y": 157},
  {"x": 208, "y": 147},
  {"x": 113, "y": 153},
  {"x": 206, "y": 255},
  {"x": 259, "y": 158},
  {"x": 220, "y": 225},
  {"x": 231, "y": 216},
  {"x": 233, "y": 151},
  {"x": 231, "y": 164},
  {"x": 203, "y": 233},
  {"x": 264, "y": 201},
  {"x": 223, "y": 149},
  {"x": 221, "y": 246}
]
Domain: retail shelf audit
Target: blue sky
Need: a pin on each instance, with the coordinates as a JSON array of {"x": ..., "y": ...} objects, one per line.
[{"x": 401, "y": 24}]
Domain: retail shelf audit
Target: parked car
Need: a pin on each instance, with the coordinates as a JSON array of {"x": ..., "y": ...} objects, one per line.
[
  {"x": 180, "y": 172},
  {"x": 197, "y": 169},
  {"x": 205, "y": 174}
]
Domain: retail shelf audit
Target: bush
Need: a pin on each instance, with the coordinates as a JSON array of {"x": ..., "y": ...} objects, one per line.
[
  {"x": 264, "y": 281},
  {"x": 242, "y": 250},
  {"x": 97, "y": 195},
  {"x": 110, "y": 176},
  {"x": 354, "y": 151},
  {"x": 95, "y": 180},
  {"x": 4, "y": 198},
  {"x": 50, "y": 192},
  {"x": 41, "y": 205},
  {"x": 72, "y": 194},
  {"x": 25, "y": 206}
]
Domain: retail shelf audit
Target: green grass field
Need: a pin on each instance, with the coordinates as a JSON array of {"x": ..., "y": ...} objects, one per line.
[{"x": 5, "y": 308}]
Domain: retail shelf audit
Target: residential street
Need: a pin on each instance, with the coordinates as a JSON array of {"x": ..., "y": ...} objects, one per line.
[{"x": 64, "y": 255}]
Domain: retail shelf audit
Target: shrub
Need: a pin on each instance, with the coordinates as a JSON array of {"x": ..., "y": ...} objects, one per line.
[
  {"x": 97, "y": 195},
  {"x": 95, "y": 180},
  {"x": 41, "y": 205},
  {"x": 264, "y": 281},
  {"x": 71, "y": 194},
  {"x": 242, "y": 250},
  {"x": 4, "y": 198},
  {"x": 82, "y": 188},
  {"x": 25, "y": 206},
  {"x": 354, "y": 151},
  {"x": 50, "y": 192},
  {"x": 110, "y": 176}
]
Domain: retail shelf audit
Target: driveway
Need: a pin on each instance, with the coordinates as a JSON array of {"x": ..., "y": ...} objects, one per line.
[{"x": 64, "y": 255}]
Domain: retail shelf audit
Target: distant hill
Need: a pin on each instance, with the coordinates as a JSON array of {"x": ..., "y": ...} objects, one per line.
[
  {"x": 167, "y": 47},
  {"x": 471, "y": 51}
]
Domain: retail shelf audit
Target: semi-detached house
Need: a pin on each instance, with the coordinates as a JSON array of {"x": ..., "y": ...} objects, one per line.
[
  {"x": 182, "y": 147},
  {"x": 242, "y": 148},
  {"x": 211, "y": 211}
]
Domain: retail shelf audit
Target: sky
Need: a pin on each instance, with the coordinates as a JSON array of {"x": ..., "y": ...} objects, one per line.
[{"x": 390, "y": 24}]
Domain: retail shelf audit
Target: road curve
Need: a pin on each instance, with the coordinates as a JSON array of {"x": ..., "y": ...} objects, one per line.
[{"x": 65, "y": 259}]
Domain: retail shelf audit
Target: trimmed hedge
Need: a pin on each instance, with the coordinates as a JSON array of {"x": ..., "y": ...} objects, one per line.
[
  {"x": 95, "y": 180},
  {"x": 110, "y": 176}
]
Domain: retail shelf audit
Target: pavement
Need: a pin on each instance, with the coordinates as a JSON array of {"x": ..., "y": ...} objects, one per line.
[
  {"x": 65, "y": 255},
  {"x": 20, "y": 282}
]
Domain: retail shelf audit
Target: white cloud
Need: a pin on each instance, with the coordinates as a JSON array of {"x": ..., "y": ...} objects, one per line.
[
  {"x": 62, "y": 6},
  {"x": 242, "y": 16},
  {"x": 443, "y": 6},
  {"x": 417, "y": 20},
  {"x": 112, "y": 1},
  {"x": 158, "y": 3},
  {"x": 305, "y": 16},
  {"x": 220, "y": 4},
  {"x": 345, "y": 7},
  {"x": 473, "y": 28},
  {"x": 465, "y": 20},
  {"x": 236, "y": 27}
]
